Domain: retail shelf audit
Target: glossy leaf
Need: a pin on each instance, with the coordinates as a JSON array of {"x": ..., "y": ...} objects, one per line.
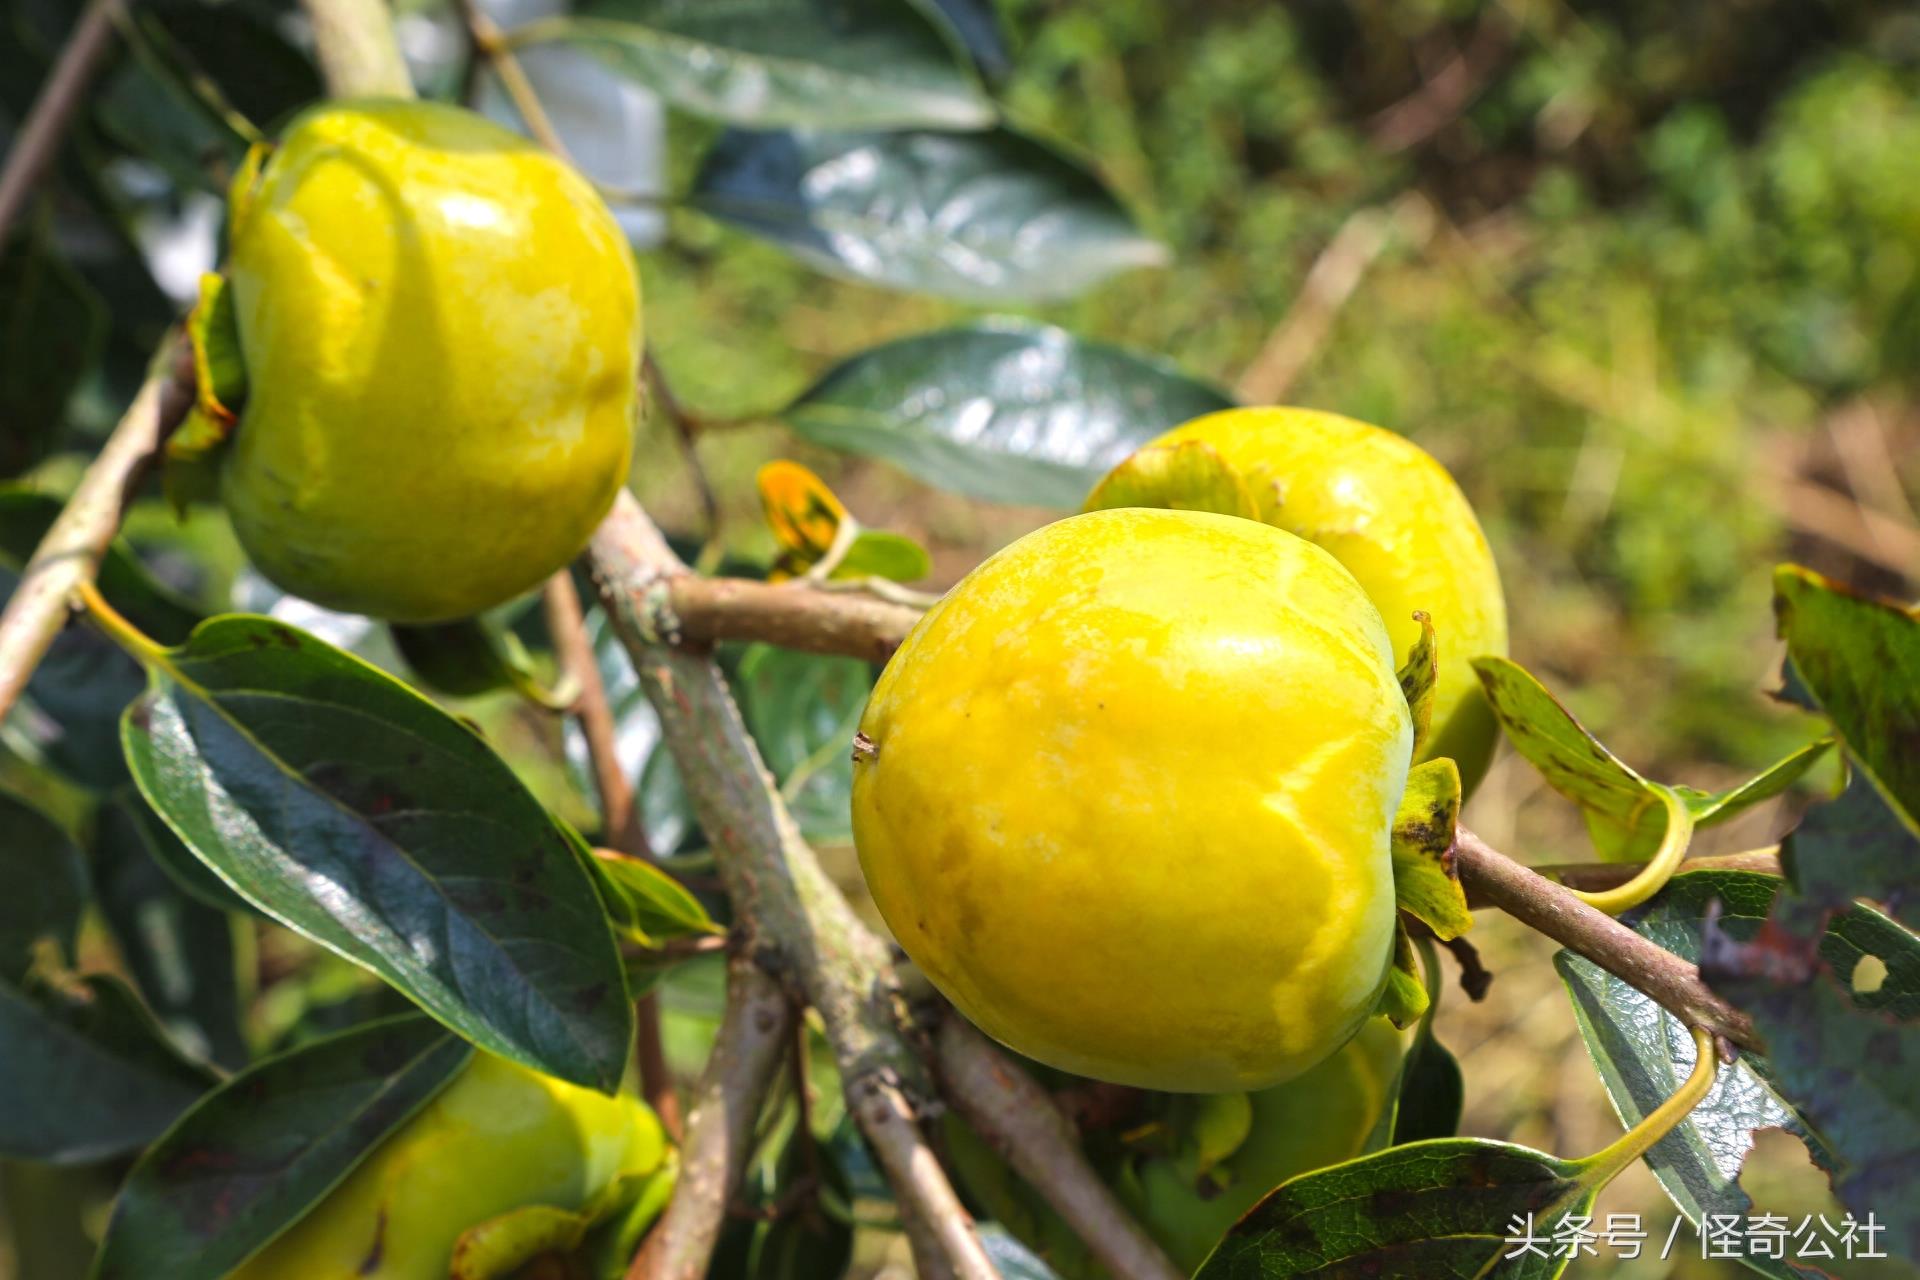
[
  {"x": 85, "y": 1073},
  {"x": 179, "y": 950},
  {"x": 1639, "y": 1049},
  {"x": 1001, "y": 410},
  {"x": 43, "y": 886},
  {"x": 353, "y": 810},
  {"x": 1854, "y": 846},
  {"x": 988, "y": 217},
  {"x": 836, "y": 64},
  {"x": 802, "y": 710},
  {"x": 1437, "y": 1210},
  {"x": 256, "y": 1154},
  {"x": 1189, "y": 476},
  {"x": 1860, "y": 658},
  {"x": 1425, "y": 881}
]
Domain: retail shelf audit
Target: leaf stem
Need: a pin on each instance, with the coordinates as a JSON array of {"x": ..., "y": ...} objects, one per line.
[
  {"x": 1637, "y": 1141},
  {"x": 1654, "y": 876},
  {"x": 119, "y": 628}
]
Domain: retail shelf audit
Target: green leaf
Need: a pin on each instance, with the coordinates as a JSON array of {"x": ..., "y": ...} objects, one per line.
[
  {"x": 802, "y": 710},
  {"x": 468, "y": 657},
  {"x": 647, "y": 901},
  {"x": 351, "y": 809},
  {"x": 191, "y": 876},
  {"x": 43, "y": 886},
  {"x": 52, "y": 325},
  {"x": 1854, "y": 846},
  {"x": 256, "y": 1154},
  {"x": 179, "y": 950},
  {"x": 1860, "y": 658},
  {"x": 1426, "y": 883},
  {"x": 1190, "y": 476},
  {"x": 1427, "y": 1093},
  {"x": 1418, "y": 679},
  {"x": 1851, "y": 1071},
  {"x": 1425, "y": 1211},
  {"x": 877, "y": 553},
  {"x": 85, "y": 1073},
  {"x": 1002, "y": 410},
  {"x": 831, "y": 64},
  {"x": 1012, "y": 1259},
  {"x": 1616, "y": 841},
  {"x": 1639, "y": 1049},
  {"x": 989, "y": 217},
  {"x": 1405, "y": 1000}
]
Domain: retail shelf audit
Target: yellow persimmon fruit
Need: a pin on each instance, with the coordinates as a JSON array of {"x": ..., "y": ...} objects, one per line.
[
  {"x": 1394, "y": 517},
  {"x": 440, "y": 325},
  {"x": 497, "y": 1139},
  {"x": 1125, "y": 794}
]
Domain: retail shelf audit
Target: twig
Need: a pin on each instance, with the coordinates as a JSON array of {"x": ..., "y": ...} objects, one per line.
[
  {"x": 1017, "y": 1117},
  {"x": 70, "y": 553},
  {"x": 65, "y": 91},
  {"x": 490, "y": 43},
  {"x": 795, "y": 920},
  {"x": 359, "y": 53},
  {"x": 618, "y": 827},
  {"x": 1439, "y": 100},
  {"x": 793, "y": 615},
  {"x": 1332, "y": 279},
  {"x": 754, "y": 1032},
  {"x": 686, "y": 426},
  {"x": 1492, "y": 877}
]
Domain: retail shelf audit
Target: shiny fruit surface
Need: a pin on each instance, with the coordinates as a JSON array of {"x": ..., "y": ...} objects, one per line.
[
  {"x": 499, "y": 1138},
  {"x": 1125, "y": 796},
  {"x": 1394, "y": 517},
  {"x": 441, "y": 329}
]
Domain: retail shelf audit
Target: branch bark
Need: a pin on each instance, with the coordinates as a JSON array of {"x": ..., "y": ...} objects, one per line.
[
  {"x": 70, "y": 553},
  {"x": 38, "y": 141},
  {"x": 793, "y": 615},
  {"x": 796, "y": 923},
  {"x": 750, "y": 1047},
  {"x": 359, "y": 53},
  {"x": 1014, "y": 1114},
  {"x": 1491, "y": 877}
]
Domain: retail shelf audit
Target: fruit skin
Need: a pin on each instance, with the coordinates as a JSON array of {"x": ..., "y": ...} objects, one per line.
[
  {"x": 441, "y": 329},
  {"x": 1130, "y": 794},
  {"x": 497, "y": 1138},
  {"x": 1394, "y": 517}
]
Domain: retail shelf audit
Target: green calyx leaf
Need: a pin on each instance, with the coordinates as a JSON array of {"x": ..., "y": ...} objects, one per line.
[
  {"x": 220, "y": 388},
  {"x": 1426, "y": 883},
  {"x": 1404, "y": 1000},
  {"x": 1418, "y": 679},
  {"x": 1190, "y": 476}
]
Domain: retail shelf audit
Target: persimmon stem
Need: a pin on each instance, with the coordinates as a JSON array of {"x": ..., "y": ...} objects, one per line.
[
  {"x": 1654, "y": 876},
  {"x": 359, "y": 52},
  {"x": 1608, "y": 1162}
]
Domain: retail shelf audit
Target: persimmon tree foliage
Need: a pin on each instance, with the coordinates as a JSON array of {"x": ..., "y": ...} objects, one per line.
[{"x": 470, "y": 1076}]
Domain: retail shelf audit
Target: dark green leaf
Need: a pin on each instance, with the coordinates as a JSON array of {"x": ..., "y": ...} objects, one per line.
[
  {"x": 978, "y": 27},
  {"x": 253, "y": 1156},
  {"x": 180, "y": 951},
  {"x": 1431, "y": 1093},
  {"x": 1425, "y": 881},
  {"x": 43, "y": 886},
  {"x": 1001, "y": 410},
  {"x": 1854, "y": 846},
  {"x": 802, "y": 710},
  {"x": 1860, "y": 658},
  {"x": 51, "y": 327},
  {"x": 85, "y": 1074},
  {"x": 834, "y": 64},
  {"x": 353, "y": 810},
  {"x": 258, "y": 72},
  {"x": 1440, "y": 1210},
  {"x": 802, "y": 1246},
  {"x": 983, "y": 217},
  {"x": 469, "y": 657},
  {"x": 190, "y": 875}
]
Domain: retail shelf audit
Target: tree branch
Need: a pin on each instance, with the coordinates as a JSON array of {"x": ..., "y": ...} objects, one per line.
[
  {"x": 70, "y": 553},
  {"x": 359, "y": 53},
  {"x": 793, "y": 615},
  {"x": 490, "y": 43},
  {"x": 750, "y": 1047},
  {"x": 38, "y": 140},
  {"x": 1015, "y": 1115},
  {"x": 1491, "y": 877},
  {"x": 796, "y": 923}
]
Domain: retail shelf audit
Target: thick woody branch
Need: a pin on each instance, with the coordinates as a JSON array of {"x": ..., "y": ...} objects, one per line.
[
  {"x": 1491, "y": 877},
  {"x": 359, "y": 53},
  {"x": 38, "y": 141},
  {"x": 797, "y": 923},
  {"x": 750, "y": 1047},
  {"x": 70, "y": 553},
  {"x": 1017, "y": 1117}
]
